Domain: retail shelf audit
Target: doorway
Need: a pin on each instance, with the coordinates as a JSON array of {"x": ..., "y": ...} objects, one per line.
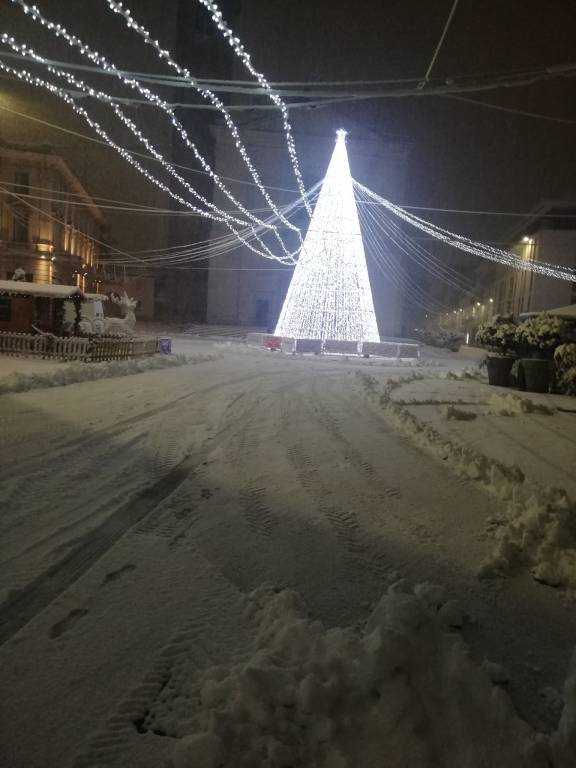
[{"x": 262, "y": 312}]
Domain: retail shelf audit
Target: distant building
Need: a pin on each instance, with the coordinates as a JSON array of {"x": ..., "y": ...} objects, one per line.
[
  {"x": 549, "y": 235},
  {"x": 48, "y": 221}
]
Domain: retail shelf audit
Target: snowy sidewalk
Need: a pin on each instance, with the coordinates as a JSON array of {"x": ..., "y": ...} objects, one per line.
[
  {"x": 27, "y": 365},
  {"x": 503, "y": 424}
]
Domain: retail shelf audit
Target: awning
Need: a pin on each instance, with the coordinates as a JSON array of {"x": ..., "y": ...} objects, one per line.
[
  {"x": 44, "y": 290},
  {"x": 568, "y": 312}
]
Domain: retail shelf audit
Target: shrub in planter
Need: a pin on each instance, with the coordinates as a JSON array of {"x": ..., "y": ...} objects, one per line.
[
  {"x": 498, "y": 336},
  {"x": 536, "y": 340},
  {"x": 565, "y": 361},
  {"x": 539, "y": 336}
]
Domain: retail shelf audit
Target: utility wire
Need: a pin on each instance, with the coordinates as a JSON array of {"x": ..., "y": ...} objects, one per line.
[
  {"x": 439, "y": 45},
  {"x": 94, "y": 140},
  {"x": 520, "y": 80},
  {"x": 512, "y": 110},
  {"x": 285, "y": 88}
]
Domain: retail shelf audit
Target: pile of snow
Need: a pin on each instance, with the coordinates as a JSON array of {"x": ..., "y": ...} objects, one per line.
[
  {"x": 542, "y": 533},
  {"x": 73, "y": 374},
  {"x": 512, "y": 405},
  {"x": 471, "y": 372},
  {"x": 458, "y": 414},
  {"x": 401, "y": 691}
]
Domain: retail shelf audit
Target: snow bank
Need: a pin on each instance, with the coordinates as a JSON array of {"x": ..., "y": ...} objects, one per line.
[
  {"x": 512, "y": 405},
  {"x": 72, "y": 374},
  {"x": 539, "y": 527},
  {"x": 458, "y": 414},
  {"x": 563, "y": 742},
  {"x": 400, "y": 692},
  {"x": 542, "y": 533}
]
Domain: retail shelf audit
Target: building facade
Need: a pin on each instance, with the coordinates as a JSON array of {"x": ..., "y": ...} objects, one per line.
[
  {"x": 548, "y": 236},
  {"x": 49, "y": 224}
]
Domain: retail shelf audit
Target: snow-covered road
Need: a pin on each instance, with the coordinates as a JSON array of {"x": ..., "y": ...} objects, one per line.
[{"x": 136, "y": 512}]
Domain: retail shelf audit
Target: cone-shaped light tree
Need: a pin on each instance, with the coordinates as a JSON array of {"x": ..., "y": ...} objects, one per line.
[{"x": 329, "y": 295}]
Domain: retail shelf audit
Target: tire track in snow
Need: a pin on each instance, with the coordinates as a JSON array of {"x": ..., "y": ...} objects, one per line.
[
  {"x": 217, "y": 631},
  {"x": 333, "y": 426},
  {"x": 22, "y": 606},
  {"x": 258, "y": 515},
  {"x": 343, "y": 521},
  {"x": 57, "y": 454},
  {"x": 385, "y": 502}
]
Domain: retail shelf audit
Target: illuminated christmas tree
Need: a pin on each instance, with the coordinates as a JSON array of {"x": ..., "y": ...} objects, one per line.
[{"x": 329, "y": 295}]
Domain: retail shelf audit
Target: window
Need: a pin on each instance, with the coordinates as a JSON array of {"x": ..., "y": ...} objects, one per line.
[
  {"x": 20, "y": 224},
  {"x": 21, "y": 182},
  {"x": 5, "y": 310}
]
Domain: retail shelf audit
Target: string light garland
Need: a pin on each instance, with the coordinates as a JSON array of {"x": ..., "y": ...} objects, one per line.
[
  {"x": 386, "y": 231},
  {"x": 206, "y": 93},
  {"x": 471, "y": 246},
  {"x": 34, "y": 80},
  {"x": 104, "y": 97},
  {"x": 107, "y": 66},
  {"x": 239, "y": 50},
  {"x": 209, "y": 248},
  {"x": 329, "y": 295}
]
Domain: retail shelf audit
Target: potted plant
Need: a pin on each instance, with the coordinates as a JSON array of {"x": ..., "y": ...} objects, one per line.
[
  {"x": 536, "y": 339},
  {"x": 565, "y": 362},
  {"x": 497, "y": 335}
]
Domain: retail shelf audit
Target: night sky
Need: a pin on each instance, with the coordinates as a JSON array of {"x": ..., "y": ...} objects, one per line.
[{"x": 460, "y": 155}]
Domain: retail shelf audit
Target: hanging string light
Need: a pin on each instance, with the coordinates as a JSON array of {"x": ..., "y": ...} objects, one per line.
[
  {"x": 104, "y": 97},
  {"x": 207, "y": 249},
  {"x": 206, "y": 93},
  {"x": 107, "y": 66},
  {"x": 471, "y": 246},
  {"x": 38, "y": 82},
  {"x": 101, "y": 96},
  {"x": 236, "y": 44}
]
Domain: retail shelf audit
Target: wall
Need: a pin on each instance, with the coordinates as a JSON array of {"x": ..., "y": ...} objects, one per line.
[
  {"x": 51, "y": 241},
  {"x": 21, "y": 314},
  {"x": 556, "y": 247},
  {"x": 141, "y": 288}
]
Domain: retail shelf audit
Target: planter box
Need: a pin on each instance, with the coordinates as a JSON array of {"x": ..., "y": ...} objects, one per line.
[
  {"x": 499, "y": 370},
  {"x": 537, "y": 374}
]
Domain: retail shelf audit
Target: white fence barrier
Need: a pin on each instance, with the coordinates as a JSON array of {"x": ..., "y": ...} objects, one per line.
[{"x": 76, "y": 348}]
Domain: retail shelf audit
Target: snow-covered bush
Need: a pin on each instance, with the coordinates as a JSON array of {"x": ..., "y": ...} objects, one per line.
[
  {"x": 565, "y": 361},
  {"x": 567, "y": 381},
  {"x": 539, "y": 334},
  {"x": 497, "y": 334}
]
